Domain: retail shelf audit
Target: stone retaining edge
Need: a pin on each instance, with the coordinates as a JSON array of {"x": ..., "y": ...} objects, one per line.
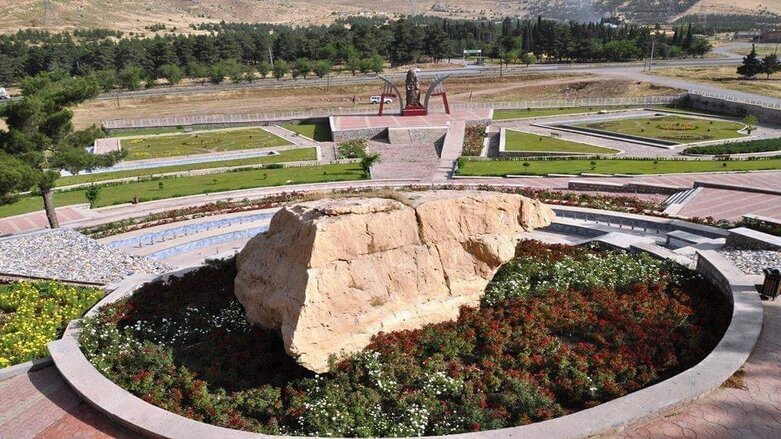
[
  {"x": 708, "y": 375},
  {"x": 23, "y": 368}
]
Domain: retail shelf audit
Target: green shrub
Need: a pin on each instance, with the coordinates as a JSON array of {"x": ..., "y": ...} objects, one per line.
[
  {"x": 751, "y": 146},
  {"x": 353, "y": 149}
]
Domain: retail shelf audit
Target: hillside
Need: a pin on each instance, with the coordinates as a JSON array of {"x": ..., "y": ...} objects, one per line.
[{"x": 135, "y": 15}]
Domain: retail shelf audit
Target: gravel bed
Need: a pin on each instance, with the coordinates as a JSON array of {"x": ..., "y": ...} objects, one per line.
[
  {"x": 68, "y": 255},
  {"x": 752, "y": 261}
]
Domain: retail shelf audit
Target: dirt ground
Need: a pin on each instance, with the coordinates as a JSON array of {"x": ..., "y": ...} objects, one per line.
[{"x": 528, "y": 87}]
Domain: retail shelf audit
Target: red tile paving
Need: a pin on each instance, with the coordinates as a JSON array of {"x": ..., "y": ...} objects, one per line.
[
  {"x": 41, "y": 405},
  {"x": 731, "y": 205},
  {"x": 37, "y": 221},
  {"x": 432, "y": 120}
]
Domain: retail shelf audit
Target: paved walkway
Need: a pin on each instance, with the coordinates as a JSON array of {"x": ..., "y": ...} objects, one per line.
[
  {"x": 451, "y": 150},
  {"x": 41, "y": 405},
  {"x": 407, "y": 161},
  {"x": 37, "y": 220}
]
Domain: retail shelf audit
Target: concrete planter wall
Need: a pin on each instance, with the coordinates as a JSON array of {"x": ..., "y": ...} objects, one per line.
[{"x": 728, "y": 356}]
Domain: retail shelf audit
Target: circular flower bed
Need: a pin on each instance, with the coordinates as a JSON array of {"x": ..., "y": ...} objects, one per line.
[{"x": 560, "y": 329}]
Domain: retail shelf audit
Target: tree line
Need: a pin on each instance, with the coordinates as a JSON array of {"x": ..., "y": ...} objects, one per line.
[{"x": 242, "y": 51}]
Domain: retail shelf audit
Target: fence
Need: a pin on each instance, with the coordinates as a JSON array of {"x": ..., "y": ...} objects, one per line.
[
  {"x": 771, "y": 103},
  {"x": 243, "y": 119}
]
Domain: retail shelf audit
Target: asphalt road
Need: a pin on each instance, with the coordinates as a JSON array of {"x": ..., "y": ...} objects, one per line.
[{"x": 469, "y": 71}]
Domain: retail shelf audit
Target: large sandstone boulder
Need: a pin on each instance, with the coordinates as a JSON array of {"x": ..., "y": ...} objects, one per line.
[{"x": 332, "y": 273}]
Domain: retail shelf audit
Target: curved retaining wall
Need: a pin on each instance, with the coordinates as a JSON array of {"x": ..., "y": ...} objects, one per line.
[{"x": 728, "y": 356}]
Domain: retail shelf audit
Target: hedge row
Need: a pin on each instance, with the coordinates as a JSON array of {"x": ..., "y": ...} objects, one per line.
[{"x": 764, "y": 145}]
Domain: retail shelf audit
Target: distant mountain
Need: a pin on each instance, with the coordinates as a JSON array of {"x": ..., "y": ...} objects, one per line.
[{"x": 138, "y": 15}]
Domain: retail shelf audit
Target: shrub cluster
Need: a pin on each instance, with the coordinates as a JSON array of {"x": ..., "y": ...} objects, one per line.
[
  {"x": 353, "y": 149},
  {"x": 473, "y": 140},
  {"x": 560, "y": 329},
  {"x": 751, "y": 146},
  {"x": 33, "y": 314}
]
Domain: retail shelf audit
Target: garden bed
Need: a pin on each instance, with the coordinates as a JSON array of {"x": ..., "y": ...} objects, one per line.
[
  {"x": 635, "y": 166},
  {"x": 669, "y": 128},
  {"x": 517, "y": 141},
  {"x": 752, "y": 146},
  {"x": 203, "y": 142},
  {"x": 33, "y": 314},
  {"x": 560, "y": 329}
]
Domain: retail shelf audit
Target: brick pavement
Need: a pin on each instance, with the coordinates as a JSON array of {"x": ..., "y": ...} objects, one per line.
[
  {"x": 41, "y": 405},
  {"x": 37, "y": 220},
  {"x": 435, "y": 119}
]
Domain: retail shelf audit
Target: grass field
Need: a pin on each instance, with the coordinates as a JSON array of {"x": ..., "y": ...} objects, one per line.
[
  {"x": 200, "y": 143},
  {"x": 319, "y": 132},
  {"x": 674, "y": 128},
  {"x": 291, "y": 155},
  {"x": 145, "y": 131},
  {"x": 726, "y": 77},
  {"x": 518, "y": 141},
  {"x": 183, "y": 186},
  {"x": 539, "y": 112},
  {"x": 501, "y": 168}
]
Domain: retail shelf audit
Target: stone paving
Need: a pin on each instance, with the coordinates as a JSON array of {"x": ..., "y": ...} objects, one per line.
[
  {"x": 38, "y": 221},
  {"x": 41, "y": 405},
  {"x": 435, "y": 119},
  {"x": 731, "y": 204},
  {"x": 68, "y": 255},
  {"x": 403, "y": 161}
]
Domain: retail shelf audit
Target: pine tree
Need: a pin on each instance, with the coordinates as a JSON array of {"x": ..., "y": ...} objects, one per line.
[
  {"x": 771, "y": 65},
  {"x": 752, "y": 66}
]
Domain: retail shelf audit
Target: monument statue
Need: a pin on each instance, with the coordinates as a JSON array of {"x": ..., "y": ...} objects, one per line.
[
  {"x": 413, "y": 88},
  {"x": 414, "y": 106}
]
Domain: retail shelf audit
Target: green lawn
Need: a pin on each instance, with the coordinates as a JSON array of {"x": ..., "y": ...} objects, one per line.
[
  {"x": 673, "y": 128},
  {"x": 200, "y": 143},
  {"x": 518, "y": 141},
  {"x": 539, "y": 112},
  {"x": 182, "y": 186},
  {"x": 291, "y": 155},
  {"x": 145, "y": 131},
  {"x": 500, "y": 168},
  {"x": 319, "y": 132}
]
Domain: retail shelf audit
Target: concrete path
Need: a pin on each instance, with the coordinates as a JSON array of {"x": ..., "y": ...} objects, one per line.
[{"x": 451, "y": 150}]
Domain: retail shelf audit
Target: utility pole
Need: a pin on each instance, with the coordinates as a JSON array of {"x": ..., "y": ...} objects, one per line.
[
  {"x": 271, "y": 56},
  {"x": 651, "y": 61}
]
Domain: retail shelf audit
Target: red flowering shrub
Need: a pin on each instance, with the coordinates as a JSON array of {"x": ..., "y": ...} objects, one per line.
[{"x": 551, "y": 338}]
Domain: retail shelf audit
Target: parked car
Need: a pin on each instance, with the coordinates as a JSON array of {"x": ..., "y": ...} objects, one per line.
[
  {"x": 376, "y": 100},
  {"x": 4, "y": 95}
]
